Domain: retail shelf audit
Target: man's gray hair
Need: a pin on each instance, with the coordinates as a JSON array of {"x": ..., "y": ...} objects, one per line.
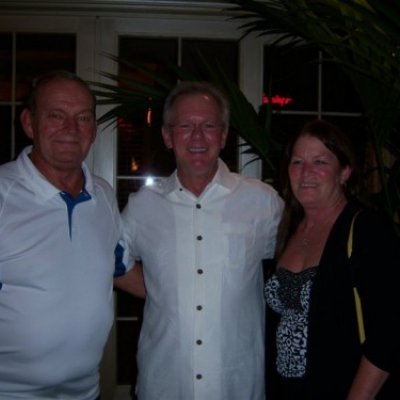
[
  {"x": 192, "y": 88},
  {"x": 31, "y": 102}
]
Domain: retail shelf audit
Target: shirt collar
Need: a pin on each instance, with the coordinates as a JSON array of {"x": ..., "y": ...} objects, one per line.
[
  {"x": 222, "y": 178},
  {"x": 39, "y": 184}
]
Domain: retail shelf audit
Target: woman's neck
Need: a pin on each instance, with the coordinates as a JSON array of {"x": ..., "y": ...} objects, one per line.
[{"x": 323, "y": 215}]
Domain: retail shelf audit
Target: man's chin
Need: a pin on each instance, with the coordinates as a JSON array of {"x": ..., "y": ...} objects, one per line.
[{"x": 69, "y": 163}]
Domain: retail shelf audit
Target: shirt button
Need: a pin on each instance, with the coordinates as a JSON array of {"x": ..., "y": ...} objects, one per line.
[
  {"x": 200, "y": 271},
  {"x": 199, "y": 237},
  {"x": 199, "y": 376},
  {"x": 198, "y": 206},
  {"x": 199, "y": 342},
  {"x": 199, "y": 308}
]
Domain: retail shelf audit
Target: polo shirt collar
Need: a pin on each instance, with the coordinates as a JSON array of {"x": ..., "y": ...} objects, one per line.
[{"x": 39, "y": 184}]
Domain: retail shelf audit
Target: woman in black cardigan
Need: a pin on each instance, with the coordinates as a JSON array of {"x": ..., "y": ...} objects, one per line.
[{"x": 315, "y": 340}]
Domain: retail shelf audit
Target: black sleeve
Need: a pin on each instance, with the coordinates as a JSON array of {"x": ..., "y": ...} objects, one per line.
[{"x": 377, "y": 255}]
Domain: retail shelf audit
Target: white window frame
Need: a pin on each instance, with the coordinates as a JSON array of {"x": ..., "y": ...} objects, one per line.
[{"x": 250, "y": 71}]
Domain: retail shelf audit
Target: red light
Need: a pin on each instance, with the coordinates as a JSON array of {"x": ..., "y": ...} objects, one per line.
[{"x": 278, "y": 100}]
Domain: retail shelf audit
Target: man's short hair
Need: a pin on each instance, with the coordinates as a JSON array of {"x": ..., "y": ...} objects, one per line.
[
  {"x": 192, "y": 88},
  {"x": 62, "y": 75}
]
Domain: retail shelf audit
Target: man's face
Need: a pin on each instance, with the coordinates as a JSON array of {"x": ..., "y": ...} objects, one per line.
[
  {"x": 196, "y": 135},
  {"x": 62, "y": 127}
]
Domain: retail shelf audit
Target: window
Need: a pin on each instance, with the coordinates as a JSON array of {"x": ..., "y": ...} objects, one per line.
[
  {"x": 141, "y": 151},
  {"x": 315, "y": 88},
  {"x": 22, "y": 57}
]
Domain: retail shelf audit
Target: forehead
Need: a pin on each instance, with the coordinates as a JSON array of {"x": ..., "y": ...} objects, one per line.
[
  {"x": 63, "y": 90},
  {"x": 310, "y": 144},
  {"x": 187, "y": 103}
]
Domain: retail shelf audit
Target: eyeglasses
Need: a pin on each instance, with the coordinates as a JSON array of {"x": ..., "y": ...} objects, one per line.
[{"x": 188, "y": 128}]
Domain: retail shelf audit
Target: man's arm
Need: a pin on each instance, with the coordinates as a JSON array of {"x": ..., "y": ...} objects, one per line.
[{"x": 132, "y": 282}]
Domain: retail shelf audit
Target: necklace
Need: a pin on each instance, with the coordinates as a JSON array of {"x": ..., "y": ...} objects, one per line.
[{"x": 315, "y": 234}]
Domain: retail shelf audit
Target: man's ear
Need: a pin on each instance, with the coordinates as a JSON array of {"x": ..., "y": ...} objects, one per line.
[
  {"x": 167, "y": 137},
  {"x": 26, "y": 122}
]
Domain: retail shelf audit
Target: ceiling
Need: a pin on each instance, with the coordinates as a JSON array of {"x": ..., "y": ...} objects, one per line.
[{"x": 35, "y": 6}]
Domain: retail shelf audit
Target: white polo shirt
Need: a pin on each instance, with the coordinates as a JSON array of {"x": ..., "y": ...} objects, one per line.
[
  {"x": 203, "y": 331},
  {"x": 56, "y": 270}
]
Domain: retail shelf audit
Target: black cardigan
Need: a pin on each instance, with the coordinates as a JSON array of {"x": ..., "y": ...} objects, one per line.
[{"x": 334, "y": 349}]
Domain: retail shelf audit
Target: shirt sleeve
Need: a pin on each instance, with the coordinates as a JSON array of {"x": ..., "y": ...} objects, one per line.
[
  {"x": 125, "y": 251},
  {"x": 377, "y": 254},
  {"x": 274, "y": 214}
]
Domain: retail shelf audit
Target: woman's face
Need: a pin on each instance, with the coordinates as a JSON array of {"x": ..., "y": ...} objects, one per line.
[{"x": 315, "y": 175}]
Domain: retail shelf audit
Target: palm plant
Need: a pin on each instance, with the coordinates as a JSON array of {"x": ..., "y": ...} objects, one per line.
[
  {"x": 127, "y": 94},
  {"x": 360, "y": 36}
]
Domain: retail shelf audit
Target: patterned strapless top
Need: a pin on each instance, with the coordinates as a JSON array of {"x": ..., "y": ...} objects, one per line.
[{"x": 288, "y": 294}]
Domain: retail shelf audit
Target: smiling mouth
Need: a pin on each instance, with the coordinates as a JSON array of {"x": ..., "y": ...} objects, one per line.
[
  {"x": 68, "y": 142},
  {"x": 197, "y": 150},
  {"x": 308, "y": 185}
]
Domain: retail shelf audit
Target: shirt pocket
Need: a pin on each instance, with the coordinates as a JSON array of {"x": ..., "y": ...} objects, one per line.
[{"x": 242, "y": 244}]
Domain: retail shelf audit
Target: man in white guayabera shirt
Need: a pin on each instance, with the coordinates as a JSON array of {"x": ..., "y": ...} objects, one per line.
[
  {"x": 201, "y": 235},
  {"x": 59, "y": 228}
]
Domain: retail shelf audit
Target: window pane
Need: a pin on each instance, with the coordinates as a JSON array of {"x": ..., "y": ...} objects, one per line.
[
  {"x": 127, "y": 186},
  {"x": 223, "y": 53},
  {"x": 292, "y": 74},
  {"x": 141, "y": 150},
  {"x": 338, "y": 93},
  {"x": 39, "y": 52},
  {"x": 283, "y": 127},
  {"x": 355, "y": 129},
  {"x": 35, "y": 53},
  {"x": 5, "y": 66},
  {"x": 5, "y": 134},
  {"x": 21, "y": 140}
]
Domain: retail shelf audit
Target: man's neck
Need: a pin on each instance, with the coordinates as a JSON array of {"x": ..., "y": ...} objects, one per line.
[
  {"x": 70, "y": 180},
  {"x": 195, "y": 184}
]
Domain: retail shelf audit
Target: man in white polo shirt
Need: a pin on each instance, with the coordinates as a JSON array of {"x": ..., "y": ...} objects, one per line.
[
  {"x": 59, "y": 227},
  {"x": 201, "y": 235}
]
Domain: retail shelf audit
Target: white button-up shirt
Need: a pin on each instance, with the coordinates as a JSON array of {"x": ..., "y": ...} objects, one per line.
[{"x": 203, "y": 330}]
